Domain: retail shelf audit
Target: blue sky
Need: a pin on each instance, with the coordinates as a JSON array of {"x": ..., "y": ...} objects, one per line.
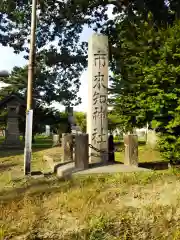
[{"x": 8, "y": 60}]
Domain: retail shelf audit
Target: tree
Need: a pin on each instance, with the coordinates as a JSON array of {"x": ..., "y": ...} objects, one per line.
[
  {"x": 113, "y": 121},
  {"x": 138, "y": 45},
  {"x": 41, "y": 117},
  {"x": 48, "y": 85},
  {"x": 80, "y": 119},
  {"x": 147, "y": 86},
  {"x": 60, "y": 56},
  {"x": 61, "y": 124},
  {"x": 62, "y": 22}
]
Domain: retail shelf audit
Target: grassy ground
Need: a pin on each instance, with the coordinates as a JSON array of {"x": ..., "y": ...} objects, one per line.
[
  {"x": 121, "y": 206},
  {"x": 145, "y": 153},
  {"x": 103, "y": 207},
  {"x": 11, "y": 163}
]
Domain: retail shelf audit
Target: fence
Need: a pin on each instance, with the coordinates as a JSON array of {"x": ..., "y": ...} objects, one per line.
[{"x": 76, "y": 148}]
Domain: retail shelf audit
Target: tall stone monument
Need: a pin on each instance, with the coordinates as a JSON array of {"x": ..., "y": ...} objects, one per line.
[{"x": 97, "y": 123}]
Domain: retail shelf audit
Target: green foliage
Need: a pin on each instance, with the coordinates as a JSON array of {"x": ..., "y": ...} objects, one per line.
[
  {"x": 80, "y": 119},
  {"x": 128, "y": 85},
  {"x": 147, "y": 88},
  {"x": 48, "y": 85},
  {"x": 136, "y": 52},
  {"x": 113, "y": 121},
  {"x": 41, "y": 117},
  {"x": 61, "y": 126}
]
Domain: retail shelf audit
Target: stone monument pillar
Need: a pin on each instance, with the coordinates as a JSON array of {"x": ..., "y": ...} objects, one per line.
[
  {"x": 12, "y": 132},
  {"x": 97, "y": 123}
]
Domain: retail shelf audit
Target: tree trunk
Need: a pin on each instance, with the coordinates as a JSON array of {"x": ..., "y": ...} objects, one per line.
[{"x": 33, "y": 139}]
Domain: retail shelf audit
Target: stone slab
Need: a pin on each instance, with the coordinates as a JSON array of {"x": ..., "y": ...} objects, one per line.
[
  {"x": 66, "y": 170},
  {"x": 114, "y": 168},
  {"x": 53, "y": 165}
]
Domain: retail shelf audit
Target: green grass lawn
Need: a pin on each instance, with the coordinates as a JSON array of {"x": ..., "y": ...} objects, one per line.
[
  {"x": 120, "y": 206},
  {"x": 145, "y": 154},
  {"x": 12, "y": 162}
]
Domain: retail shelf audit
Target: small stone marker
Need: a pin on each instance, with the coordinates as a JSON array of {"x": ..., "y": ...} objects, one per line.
[
  {"x": 67, "y": 146},
  {"x": 56, "y": 140},
  {"x": 48, "y": 130},
  {"x": 81, "y": 151},
  {"x": 97, "y": 123},
  {"x": 152, "y": 138},
  {"x": 131, "y": 149}
]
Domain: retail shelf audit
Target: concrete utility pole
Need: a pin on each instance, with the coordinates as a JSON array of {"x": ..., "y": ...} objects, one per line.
[{"x": 29, "y": 111}]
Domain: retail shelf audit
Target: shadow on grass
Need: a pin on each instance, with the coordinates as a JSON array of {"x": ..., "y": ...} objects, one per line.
[
  {"x": 35, "y": 186},
  {"x": 157, "y": 165},
  {"x": 7, "y": 166},
  {"x": 39, "y": 145},
  {"x": 121, "y": 143},
  {"x": 10, "y": 153}
]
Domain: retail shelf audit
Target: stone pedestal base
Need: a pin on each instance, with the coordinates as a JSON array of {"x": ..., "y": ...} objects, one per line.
[
  {"x": 7, "y": 145},
  {"x": 12, "y": 147},
  {"x": 12, "y": 142}
]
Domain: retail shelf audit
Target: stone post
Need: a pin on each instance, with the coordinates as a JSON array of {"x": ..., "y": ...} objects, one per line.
[
  {"x": 67, "y": 147},
  {"x": 81, "y": 151},
  {"x": 97, "y": 123},
  {"x": 56, "y": 141},
  {"x": 131, "y": 149}
]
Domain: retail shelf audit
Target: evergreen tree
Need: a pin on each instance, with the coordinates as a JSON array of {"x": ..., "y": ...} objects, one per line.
[{"x": 147, "y": 87}]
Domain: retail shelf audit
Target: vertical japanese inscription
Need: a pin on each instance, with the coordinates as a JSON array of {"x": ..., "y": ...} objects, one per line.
[
  {"x": 100, "y": 59},
  {"x": 98, "y": 82},
  {"x": 99, "y": 97}
]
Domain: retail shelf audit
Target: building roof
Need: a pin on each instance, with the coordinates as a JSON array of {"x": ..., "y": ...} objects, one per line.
[{"x": 12, "y": 97}]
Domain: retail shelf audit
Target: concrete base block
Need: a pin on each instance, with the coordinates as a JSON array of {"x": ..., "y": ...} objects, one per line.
[{"x": 66, "y": 170}]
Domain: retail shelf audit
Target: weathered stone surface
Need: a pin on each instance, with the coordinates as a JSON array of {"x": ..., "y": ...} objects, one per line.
[
  {"x": 81, "y": 151},
  {"x": 56, "y": 140},
  {"x": 131, "y": 149},
  {"x": 66, "y": 170},
  {"x": 67, "y": 146},
  {"x": 97, "y": 125},
  {"x": 12, "y": 138}
]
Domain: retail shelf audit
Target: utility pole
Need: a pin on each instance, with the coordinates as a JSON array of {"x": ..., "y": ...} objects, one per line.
[{"x": 29, "y": 111}]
